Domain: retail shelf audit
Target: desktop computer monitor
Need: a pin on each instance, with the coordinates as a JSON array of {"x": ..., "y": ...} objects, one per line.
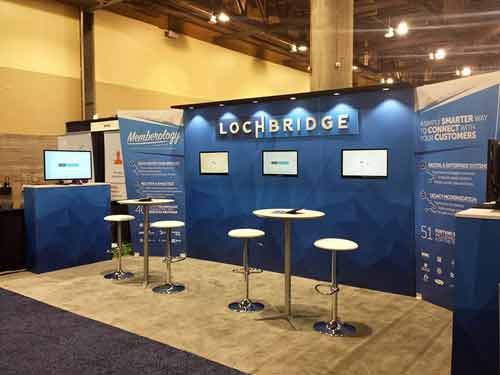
[{"x": 59, "y": 165}]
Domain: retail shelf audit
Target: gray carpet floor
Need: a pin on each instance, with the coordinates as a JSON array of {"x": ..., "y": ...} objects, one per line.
[{"x": 398, "y": 335}]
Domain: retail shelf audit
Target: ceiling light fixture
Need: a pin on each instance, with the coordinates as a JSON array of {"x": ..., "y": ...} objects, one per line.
[
  {"x": 390, "y": 81},
  {"x": 221, "y": 105},
  {"x": 336, "y": 93},
  {"x": 466, "y": 71},
  {"x": 223, "y": 17},
  {"x": 293, "y": 98},
  {"x": 293, "y": 48},
  {"x": 213, "y": 19},
  {"x": 402, "y": 28},
  {"x": 440, "y": 54},
  {"x": 355, "y": 67},
  {"x": 303, "y": 48},
  {"x": 389, "y": 33},
  {"x": 386, "y": 89}
]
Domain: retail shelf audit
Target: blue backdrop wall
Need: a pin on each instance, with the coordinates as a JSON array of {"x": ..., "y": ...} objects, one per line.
[{"x": 378, "y": 214}]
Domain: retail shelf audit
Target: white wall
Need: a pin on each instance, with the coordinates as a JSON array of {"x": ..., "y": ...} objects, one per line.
[{"x": 137, "y": 67}]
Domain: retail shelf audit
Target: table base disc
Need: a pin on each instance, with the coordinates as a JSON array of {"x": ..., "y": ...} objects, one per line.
[
  {"x": 169, "y": 289},
  {"x": 119, "y": 275},
  {"x": 246, "y": 306},
  {"x": 338, "y": 329}
]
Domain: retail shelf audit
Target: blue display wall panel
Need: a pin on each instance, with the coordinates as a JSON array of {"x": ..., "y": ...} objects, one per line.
[
  {"x": 377, "y": 214},
  {"x": 65, "y": 226},
  {"x": 475, "y": 315}
]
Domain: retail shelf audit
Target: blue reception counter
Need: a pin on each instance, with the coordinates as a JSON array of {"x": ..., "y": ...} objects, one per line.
[
  {"x": 475, "y": 316},
  {"x": 65, "y": 226}
]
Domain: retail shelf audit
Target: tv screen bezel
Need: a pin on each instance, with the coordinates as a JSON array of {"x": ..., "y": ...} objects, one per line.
[
  {"x": 280, "y": 175},
  {"x": 59, "y": 179},
  {"x": 362, "y": 176}
]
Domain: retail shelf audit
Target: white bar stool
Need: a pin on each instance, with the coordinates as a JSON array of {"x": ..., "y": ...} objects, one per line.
[
  {"x": 168, "y": 287},
  {"x": 335, "y": 327},
  {"x": 119, "y": 274},
  {"x": 246, "y": 305}
]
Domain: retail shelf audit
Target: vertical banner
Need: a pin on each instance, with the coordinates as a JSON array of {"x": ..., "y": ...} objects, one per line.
[
  {"x": 455, "y": 121},
  {"x": 113, "y": 166},
  {"x": 153, "y": 155}
]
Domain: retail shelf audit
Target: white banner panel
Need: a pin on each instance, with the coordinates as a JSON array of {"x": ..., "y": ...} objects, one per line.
[{"x": 113, "y": 165}]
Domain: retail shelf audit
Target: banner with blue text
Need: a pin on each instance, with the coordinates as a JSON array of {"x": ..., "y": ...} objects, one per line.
[
  {"x": 153, "y": 154},
  {"x": 455, "y": 121}
]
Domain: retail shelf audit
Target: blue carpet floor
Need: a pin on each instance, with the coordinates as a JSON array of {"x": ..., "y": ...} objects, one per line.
[{"x": 36, "y": 338}]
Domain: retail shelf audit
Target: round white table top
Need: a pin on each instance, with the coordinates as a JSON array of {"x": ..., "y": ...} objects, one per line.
[
  {"x": 167, "y": 224},
  {"x": 117, "y": 218},
  {"x": 279, "y": 213},
  {"x": 336, "y": 244},
  {"x": 245, "y": 233},
  {"x": 152, "y": 202}
]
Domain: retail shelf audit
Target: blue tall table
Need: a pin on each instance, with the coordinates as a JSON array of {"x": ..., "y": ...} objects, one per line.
[
  {"x": 475, "y": 315},
  {"x": 65, "y": 226}
]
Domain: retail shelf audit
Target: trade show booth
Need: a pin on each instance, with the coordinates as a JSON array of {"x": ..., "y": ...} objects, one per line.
[
  {"x": 378, "y": 173},
  {"x": 315, "y": 130}
]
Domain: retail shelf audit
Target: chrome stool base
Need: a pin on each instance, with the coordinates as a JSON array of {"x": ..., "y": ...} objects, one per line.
[
  {"x": 119, "y": 275},
  {"x": 246, "y": 306},
  {"x": 337, "y": 328},
  {"x": 169, "y": 288}
]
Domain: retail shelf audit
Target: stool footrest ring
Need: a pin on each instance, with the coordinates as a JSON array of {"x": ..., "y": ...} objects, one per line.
[
  {"x": 330, "y": 289},
  {"x": 173, "y": 259},
  {"x": 250, "y": 270}
]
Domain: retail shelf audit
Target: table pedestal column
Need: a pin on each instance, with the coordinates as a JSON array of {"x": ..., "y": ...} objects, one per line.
[
  {"x": 287, "y": 314},
  {"x": 146, "y": 246},
  {"x": 288, "y": 267}
]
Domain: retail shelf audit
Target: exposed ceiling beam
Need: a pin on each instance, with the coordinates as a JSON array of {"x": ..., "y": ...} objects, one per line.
[{"x": 104, "y": 4}]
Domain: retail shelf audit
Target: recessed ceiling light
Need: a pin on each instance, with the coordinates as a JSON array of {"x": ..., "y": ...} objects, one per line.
[
  {"x": 336, "y": 93},
  {"x": 440, "y": 54},
  {"x": 466, "y": 71},
  {"x": 390, "y": 81},
  {"x": 255, "y": 101},
  {"x": 213, "y": 19},
  {"x": 223, "y": 17},
  {"x": 191, "y": 107},
  {"x": 302, "y": 48},
  {"x": 355, "y": 67},
  {"x": 402, "y": 28},
  {"x": 386, "y": 89},
  {"x": 293, "y": 98},
  {"x": 221, "y": 105},
  {"x": 293, "y": 48},
  {"x": 390, "y": 32}
]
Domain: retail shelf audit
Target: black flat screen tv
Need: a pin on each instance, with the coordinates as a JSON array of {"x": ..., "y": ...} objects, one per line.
[
  {"x": 67, "y": 165},
  {"x": 280, "y": 163}
]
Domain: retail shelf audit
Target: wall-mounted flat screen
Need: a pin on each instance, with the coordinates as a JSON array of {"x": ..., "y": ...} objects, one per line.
[
  {"x": 67, "y": 165},
  {"x": 279, "y": 163},
  {"x": 364, "y": 163},
  {"x": 214, "y": 162}
]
